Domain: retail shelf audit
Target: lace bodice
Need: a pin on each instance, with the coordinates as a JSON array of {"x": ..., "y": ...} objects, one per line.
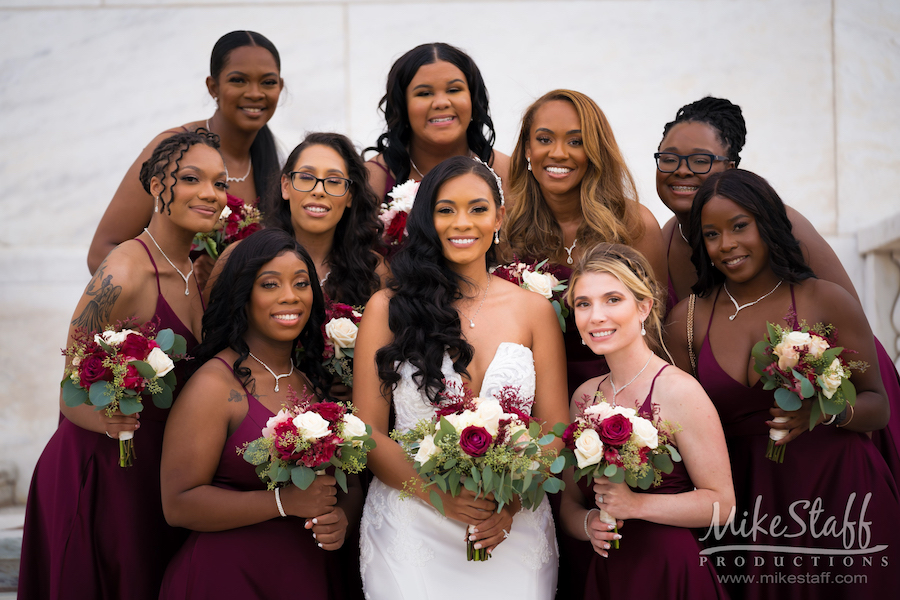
[{"x": 513, "y": 364}]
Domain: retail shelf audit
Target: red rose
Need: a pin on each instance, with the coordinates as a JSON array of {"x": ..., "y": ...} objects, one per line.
[
  {"x": 91, "y": 370},
  {"x": 133, "y": 379},
  {"x": 615, "y": 430},
  {"x": 246, "y": 231},
  {"x": 329, "y": 411},
  {"x": 475, "y": 441},
  {"x": 397, "y": 227},
  {"x": 137, "y": 347},
  {"x": 568, "y": 436}
]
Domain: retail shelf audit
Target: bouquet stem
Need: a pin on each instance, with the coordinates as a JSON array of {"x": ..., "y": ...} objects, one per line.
[
  {"x": 473, "y": 553},
  {"x": 605, "y": 517},
  {"x": 126, "y": 448},
  {"x": 775, "y": 453}
]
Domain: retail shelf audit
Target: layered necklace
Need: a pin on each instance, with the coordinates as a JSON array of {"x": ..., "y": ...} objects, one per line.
[
  {"x": 266, "y": 367},
  {"x": 738, "y": 309},
  {"x": 483, "y": 298},
  {"x": 616, "y": 391},
  {"x": 187, "y": 289},
  {"x": 235, "y": 179}
]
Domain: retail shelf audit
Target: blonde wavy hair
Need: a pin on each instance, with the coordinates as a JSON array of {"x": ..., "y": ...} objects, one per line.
[
  {"x": 631, "y": 268},
  {"x": 609, "y": 200}
]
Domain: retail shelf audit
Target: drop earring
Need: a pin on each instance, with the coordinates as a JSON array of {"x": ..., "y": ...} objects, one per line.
[
  {"x": 497, "y": 237},
  {"x": 156, "y": 205},
  {"x": 643, "y": 329},
  {"x": 529, "y": 163},
  {"x": 583, "y": 343}
]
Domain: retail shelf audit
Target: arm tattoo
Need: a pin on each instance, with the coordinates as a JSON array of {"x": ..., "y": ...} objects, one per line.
[
  {"x": 103, "y": 297},
  {"x": 235, "y": 396}
]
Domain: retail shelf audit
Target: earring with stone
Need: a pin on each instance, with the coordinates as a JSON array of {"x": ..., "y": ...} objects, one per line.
[
  {"x": 583, "y": 343},
  {"x": 497, "y": 237},
  {"x": 529, "y": 163},
  {"x": 643, "y": 329},
  {"x": 156, "y": 205}
]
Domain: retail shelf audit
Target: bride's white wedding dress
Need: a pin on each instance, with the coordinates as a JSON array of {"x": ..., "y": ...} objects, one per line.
[{"x": 408, "y": 550}]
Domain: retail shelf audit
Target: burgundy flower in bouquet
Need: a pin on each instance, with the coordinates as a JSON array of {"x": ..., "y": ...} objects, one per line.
[{"x": 238, "y": 220}]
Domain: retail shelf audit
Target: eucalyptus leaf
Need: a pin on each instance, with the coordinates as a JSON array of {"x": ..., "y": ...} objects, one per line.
[
  {"x": 552, "y": 485},
  {"x": 437, "y": 502},
  {"x": 619, "y": 477},
  {"x": 558, "y": 465},
  {"x": 179, "y": 347},
  {"x": 279, "y": 473},
  {"x": 165, "y": 339},
  {"x": 610, "y": 470},
  {"x": 164, "y": 398},
  {"x": 559, "y": 429},
  {"x": 144, "y": 369},
  {"x": 302, "y": 476},
  {"x": 101, "y": 393},
  {"x": 130, "y": 405},
  {"x": 807, "y": 390},
  {"x": 849, "y": 392},
  {"x": 646, "y": 480},
  {"x": 72, "y": 394},
  {"x": 546, "y": 440},
  {"x": 815, "y": 412},
  {"x": 169, "y": 379},
  {"x": 674, "y": 452},
  {"x": 761, "y": 360},
  {"x": 487, "y": 477},
  {"x": 453, "y": 482},
  {"x": 787, "y": 400},
  {"x": 341, "y": 478},
  {"x": 663, "y": 463}
]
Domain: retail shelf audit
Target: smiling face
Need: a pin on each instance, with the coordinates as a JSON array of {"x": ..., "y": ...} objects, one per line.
[
  {"x": 465, "y": 218},
  {"x": 248, "y": 87},
  {"x": 438, "y": 104},
  {"x": 199, "y": 189},
  {"x": 677, "y": 190},
  {"x": 556, "y": 149},
  {"x": 733, "y": 241},
  {"x": 281, "y": 299},
  {"x": 607, "y": 313},
  {"x": 315, "y": 211}
]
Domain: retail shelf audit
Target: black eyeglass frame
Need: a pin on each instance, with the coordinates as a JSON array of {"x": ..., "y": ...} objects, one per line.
[
  {"x": 686, "y": 157},
  {"x": 347, "y": 182}
]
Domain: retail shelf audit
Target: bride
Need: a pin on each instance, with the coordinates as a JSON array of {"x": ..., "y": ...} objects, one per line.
[{"x": 444, "y": 317}]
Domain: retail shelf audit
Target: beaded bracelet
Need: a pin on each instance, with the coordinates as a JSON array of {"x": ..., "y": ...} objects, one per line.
[
  {"x": 586, "y": 517},
  {"x": 278, "y": 502},
  {"x": 831, "y": 420}
]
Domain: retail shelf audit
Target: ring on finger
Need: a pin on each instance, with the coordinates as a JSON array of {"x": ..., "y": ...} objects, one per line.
[
  {"x": 505, "y": 533},
  {"x": 600, "y": 498}
]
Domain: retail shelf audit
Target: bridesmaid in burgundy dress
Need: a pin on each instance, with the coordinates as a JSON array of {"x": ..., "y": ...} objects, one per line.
[
  {"x": 94, "y": 529},
  {"x": 248, "y": 542},
  {"x": 827, "y": 515},
  {"x": 618, "y": 309}
]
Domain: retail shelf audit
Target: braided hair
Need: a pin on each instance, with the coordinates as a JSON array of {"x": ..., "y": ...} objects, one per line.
[
  {"x": 170, "y": 151},
  {"x": 720, "y": 114}
]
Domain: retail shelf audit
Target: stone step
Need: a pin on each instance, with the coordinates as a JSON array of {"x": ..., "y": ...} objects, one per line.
[{"x": 12, "y": 518}]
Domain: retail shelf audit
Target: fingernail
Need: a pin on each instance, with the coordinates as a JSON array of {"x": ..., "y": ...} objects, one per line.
[
  {"x": 319, "y": 545},
  {"x": 471, "y": 538},
  {"x": 610, "y": 527},
  {"x": 618, "y": 536},
  {"x": 478, "y": 546},
  {"x": 606, "y": 546},
  {"x": 316, "y": 521},
  {"x": 314, "y": 536}
]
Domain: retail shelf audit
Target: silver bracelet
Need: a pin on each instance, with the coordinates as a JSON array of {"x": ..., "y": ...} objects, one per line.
[
  {"x": 831, "y": 420},
  {"x": 586, "y": 517},
  {"x": 278, "y": 502}
]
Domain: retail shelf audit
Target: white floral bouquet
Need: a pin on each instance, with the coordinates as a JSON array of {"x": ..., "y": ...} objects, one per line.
[
  {"x": 618, "y": 443},
  {"x": 113, "y": 368},
  {"x": 305, "y": 438},
  {"x": 340, "y": 329},
  {"x": 395, "y": 212},
  {"x": 491, "y": 446},
  {"x": 801, "y": 364},
  {"x": 538, "y": 278}
]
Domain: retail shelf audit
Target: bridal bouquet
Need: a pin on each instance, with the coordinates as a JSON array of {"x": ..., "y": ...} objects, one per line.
[
  {"x": 538, "y": 278},
  {"x": 113, "y": 368},
  {"x": 305, "y": 438},
  {"x": 237, "y": 221},
  {"x": 490, "y": 446},
  {"x": 617, "y": 443},
  {"x": 340, "y": 329},
  {"x": 801, "y": 364},
  {"x": 394, "y": 213}
]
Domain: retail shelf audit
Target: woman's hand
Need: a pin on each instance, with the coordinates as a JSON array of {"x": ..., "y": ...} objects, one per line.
[
  {"x": 118, "y": 422},
  {"x": 466, "y": 508},
  {"x": 496, "y": 528},
  {"x": 601, "y": 534},
  {"x": 330, "y": 529},
  {"x": 617, "y": 499},
  {"x": 203, "y": 267},
  {"x": 315, "y": 501},
  {"x": 797, "y": 423}
]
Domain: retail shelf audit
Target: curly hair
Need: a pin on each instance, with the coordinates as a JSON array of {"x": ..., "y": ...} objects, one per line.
[
  {"x": 421, "y": 314},
  {"x": 170, "y": 151},
  {"x": 225, "y": 321},
  {"x": 353, "y": 262},
  {"x": 720, "y": 114},
  {"x": 753, "y": 193},
  {"x": 393, "y": 144},
  {"x": 609, "y": 200},
  {"x": 263, "y": 153}
]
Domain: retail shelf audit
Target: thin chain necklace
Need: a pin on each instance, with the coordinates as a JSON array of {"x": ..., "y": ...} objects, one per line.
[
  {"x": 612, "y": 383},
  {"x": 266, "y": 367},
  {"x": 470, "y": 154},
  {"x": 738, "y": 309},
  {"x": 681, "y": 231},
  {"x": 569, "y": 250},
  {"x": 483, "y": 298},
  {"x": 187, "y": 289},
  {"x": 235, "y": 179}
]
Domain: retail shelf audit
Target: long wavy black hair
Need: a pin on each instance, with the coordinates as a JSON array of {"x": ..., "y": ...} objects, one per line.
[
  {"x": 421, "y": 314},
  {"x": 753, "y": 193},
  {"x": 225, "y": 321},
  {"x": 393, "y": 144},
  {"x": 722, "y": 115},
  {"x": 263, "y": 153},
  {"x": 353, "y": 261},
  {"x": 170, "y": 151}
]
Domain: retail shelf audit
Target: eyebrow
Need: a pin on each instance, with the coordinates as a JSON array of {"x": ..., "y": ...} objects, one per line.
[
  {"x": 427, "y": 85},
  {"x": 606, "y": 295},
  {"x": 570, "y": 132},
  {"x": 673, "y": 148},
  {"x": 270, "y": 74},
  {"x": 222, "y": 173},
  {"x": 276, "y": 273},
  {"x": 472, "y": 201},
  {"x": 311, "y": 168}
]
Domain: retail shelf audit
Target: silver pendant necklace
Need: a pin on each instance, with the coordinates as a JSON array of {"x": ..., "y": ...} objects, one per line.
[
  {"x": 483, "y": 298},
  {"x": 738, "y": 309},
  {"x": 266, "y": 367},
  {"x": 416, "y": 168},
  {"x": 235, "y": 179},
  {"x": 612, "y": 383},
  {"x": 187, "y": 289},
  {"x": 569, "y": 250},
  {"x": 681, "y": 231}
]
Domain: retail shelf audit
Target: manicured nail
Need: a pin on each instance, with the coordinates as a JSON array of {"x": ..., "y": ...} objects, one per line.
[
  {"x": 618, "y": 536},
  {"x": 478, "y": 546},
  {"x": 471, "y": 538},
  {"x": 315, "y": 521},
  {"x": 314, "y": 536},
  {"x": 610, "y": 527},
  {"x": 319, "y": 545},
  {"x": 606, "y": 546}
]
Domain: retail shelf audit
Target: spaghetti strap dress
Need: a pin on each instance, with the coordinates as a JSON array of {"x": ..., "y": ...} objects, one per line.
[
  {"x": 653, "y": 560},
  {"x": 277, "y": 558},
  {"x": 92, "y": 528},
  {"x": 822, "y": 524}
]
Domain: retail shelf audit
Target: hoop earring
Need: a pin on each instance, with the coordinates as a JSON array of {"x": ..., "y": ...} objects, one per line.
[
  {"x": 529, "y": 163},
  {"x": 497, "y": 237}
]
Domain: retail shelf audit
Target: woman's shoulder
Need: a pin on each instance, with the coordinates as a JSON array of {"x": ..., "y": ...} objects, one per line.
[
  {"x": 128, "y": 264},
  {"x": 501, "y": 165},
  {"x": 521, "y": 298}
]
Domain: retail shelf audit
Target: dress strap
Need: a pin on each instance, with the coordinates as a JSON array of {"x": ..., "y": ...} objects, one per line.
[
  {"x": 650, "y": 393},
  {"x": 231, "y": 368},
  {"x": 153, "y": 262},
  {"x": 380, "y": 166}
]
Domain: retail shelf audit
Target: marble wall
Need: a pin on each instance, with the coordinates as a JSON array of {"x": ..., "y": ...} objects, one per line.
[{"x": 85, "y": 84}]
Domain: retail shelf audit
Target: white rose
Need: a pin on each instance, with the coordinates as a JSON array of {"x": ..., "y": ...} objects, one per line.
[
  {"x": 541, "y": 283},
  {"x": 353, "y": 426},
  {"x": 464, "y": 419},
  {"x": 113, "y": 338},
  {"x": 797, "y": 339},
  {"x": 427, "y": 449},
  {"x": 160, "y": 362},
  {"x": 788, "y": 357},
  {"x": 645, "y": 434},
  {"x": 817, "y": 345},
  {"x": 489, "y": 413},
  {"x": 226, "y": 212},
  {"x": 602, "y": 410},
  {"x": 588, "y": 448},
  {"x": 629, "y": 413},
  {"x": 342, "y": 333},
  {"x": 831, "y": 379},
  {"x": 311, "y": 425},
  {"x": 283, "y": 416}
]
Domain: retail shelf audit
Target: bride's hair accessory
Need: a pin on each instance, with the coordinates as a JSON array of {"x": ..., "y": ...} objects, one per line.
[{"x": 497, "y": 177}]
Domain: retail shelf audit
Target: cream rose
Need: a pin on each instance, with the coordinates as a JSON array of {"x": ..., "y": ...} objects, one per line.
[
  {"x": 644, "y": 433},
  {"x": 588, "y": 448},
  {"x": 342, "y": 333},
  {"x": 489, "y": 413},
  {"x": 831, "y": 379},
  {"x": 788, "y": 357},
  {"x": 160, "y": 362},
  {"x": 541, "y": 283},
  {"x": 283, "y": 416},
  {"x": 427, "y": 449},
  {"x": 311, "y": 425},
  {"x": 602, "y": 410},
  {"x": 817, "y": 345},
  {"x": 226, "y": 212},
  {"x": 629, "y": 413},
  {"x": 353, "y": 426},
  {"x": 113, "y": 338}
]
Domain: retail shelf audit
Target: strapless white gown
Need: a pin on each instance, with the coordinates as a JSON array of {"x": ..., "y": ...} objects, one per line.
[{"x": 408, "y": 550}]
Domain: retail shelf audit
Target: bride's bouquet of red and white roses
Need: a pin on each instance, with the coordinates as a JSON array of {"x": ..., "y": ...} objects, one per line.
[
  {"x": 395, "y": 212},
  {"x": 113, "y": 368},
  {"x": 490, "y": 446},
  {"x": 618, "y": 443},
  {"x": 238, "y": 220},
  {"x": 801, "y": 364},
  {"x": 305, "y": 438},
  {"x": 340, "y": 329},
  {"x": 539, "y": 278}
]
